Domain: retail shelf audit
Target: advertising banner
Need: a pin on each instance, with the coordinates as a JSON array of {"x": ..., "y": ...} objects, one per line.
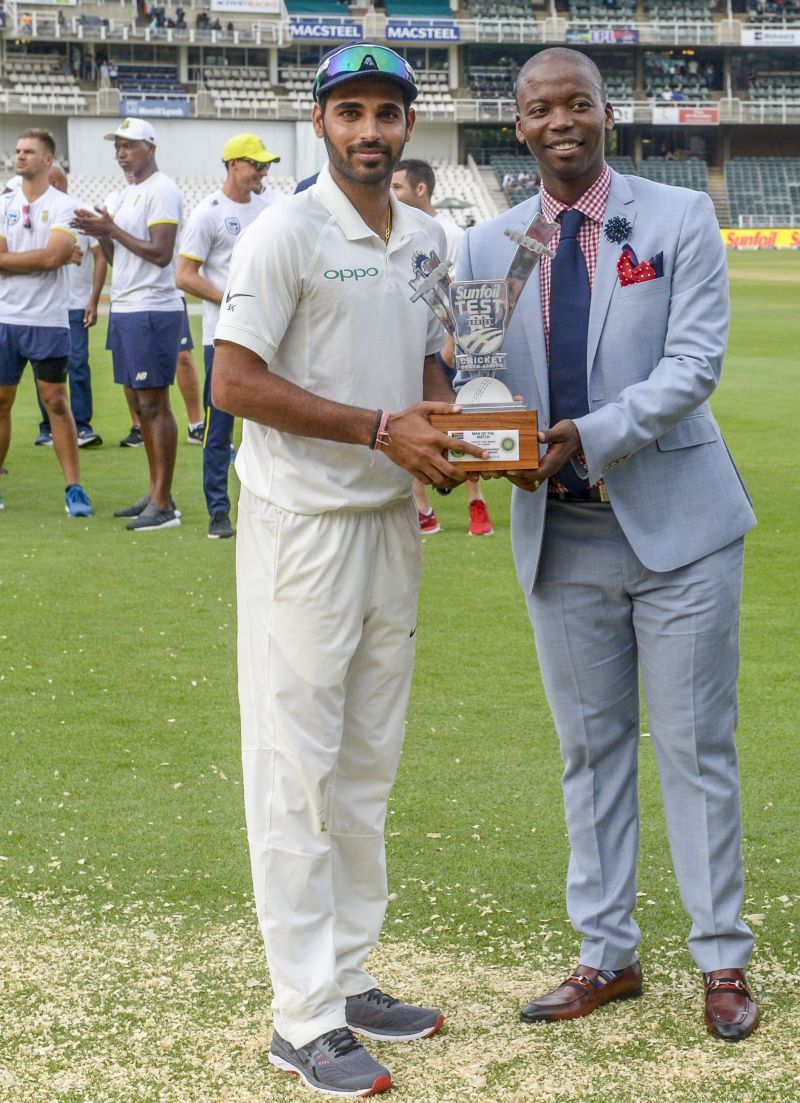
[
  {"x": 324, "y": 28},
  {"x": 770, "y": 36},
  {"x": 414, "y": 30},
  {"x": 161, "y": 107},
  {"x": 623, "y": 114},
  {"x": 616, "y": 35},
  {"x": 250, "y": 7},
  {"x": 672, "y": 114},
  {"x": 760, "y": 239}
]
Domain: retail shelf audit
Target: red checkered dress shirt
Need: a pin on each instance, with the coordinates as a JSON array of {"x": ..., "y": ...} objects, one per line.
[{"x": 593, "y": 204}]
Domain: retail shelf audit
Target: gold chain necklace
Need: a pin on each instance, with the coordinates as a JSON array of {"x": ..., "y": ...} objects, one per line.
[{"x": 388, "y": 233}]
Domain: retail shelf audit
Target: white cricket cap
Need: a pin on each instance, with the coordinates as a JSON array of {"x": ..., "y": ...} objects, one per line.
[{"x": 133, "y": 130}]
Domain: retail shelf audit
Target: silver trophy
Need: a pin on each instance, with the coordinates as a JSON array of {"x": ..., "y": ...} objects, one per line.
[{"x": 477, "y": 314}]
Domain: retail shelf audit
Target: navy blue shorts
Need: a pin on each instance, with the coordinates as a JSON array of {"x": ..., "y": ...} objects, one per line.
[
  {"x": 187, "y": 344},
  {"x": 144, "y": 347},
  {"x": 45, "y": 346}
]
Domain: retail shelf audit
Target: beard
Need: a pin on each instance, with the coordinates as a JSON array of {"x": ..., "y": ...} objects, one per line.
[{"x": 376, "y": 174}]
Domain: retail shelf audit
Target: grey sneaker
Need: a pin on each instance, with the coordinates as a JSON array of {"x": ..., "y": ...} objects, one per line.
[
  {"x": 378, "y": 1016},
  {"x": 152, "y": 518},
  {"x": 220, "y": 527},
  {"x": 135, "y": 509},
  {"x": 139, "y": 507},
  {"x": 335, "y": 1063}
]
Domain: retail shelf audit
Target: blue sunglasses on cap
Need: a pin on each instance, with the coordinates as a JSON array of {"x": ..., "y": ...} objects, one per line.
[{"x": 366, "y": 59}]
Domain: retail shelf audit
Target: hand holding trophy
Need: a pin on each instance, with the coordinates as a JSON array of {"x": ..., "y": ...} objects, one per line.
[{"x": 477, "y": 314}]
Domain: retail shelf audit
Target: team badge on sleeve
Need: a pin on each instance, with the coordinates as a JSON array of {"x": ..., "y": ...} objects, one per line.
[
  {"x": 233, "y": 225},
  {"x": 12, "y": 217}
]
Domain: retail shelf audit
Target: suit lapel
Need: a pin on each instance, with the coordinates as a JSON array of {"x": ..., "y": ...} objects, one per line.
[
  {"x": 622, "y": 204},
  {"x": 529, "y": 310}
]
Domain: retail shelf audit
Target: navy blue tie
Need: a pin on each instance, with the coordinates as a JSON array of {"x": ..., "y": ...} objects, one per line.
[{"x": 570, "y": 298}]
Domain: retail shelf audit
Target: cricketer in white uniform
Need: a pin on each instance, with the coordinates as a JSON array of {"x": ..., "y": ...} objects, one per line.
[
  {"x": 204, "y": 261},
  {"x": 322, "y": 352}
]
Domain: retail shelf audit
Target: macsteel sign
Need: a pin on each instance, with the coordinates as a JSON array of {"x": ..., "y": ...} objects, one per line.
[
  {"x": 331, "y": 29},
  {"x": 761, "y": 239},
  {"x": 414, "y": 30}
]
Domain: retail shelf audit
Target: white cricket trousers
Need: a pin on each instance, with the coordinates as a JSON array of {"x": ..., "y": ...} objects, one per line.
[{"x": 327, "y": 620}]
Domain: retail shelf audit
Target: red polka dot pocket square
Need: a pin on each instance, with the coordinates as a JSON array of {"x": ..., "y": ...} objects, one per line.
[{"x": 630, "y": 270}]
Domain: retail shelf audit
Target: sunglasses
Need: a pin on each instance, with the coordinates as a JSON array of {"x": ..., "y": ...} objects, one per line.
[
  {"x": 261, "y": 166},
  {"x": 350, "y": 60},
  {"x": 26, "y": 216}
]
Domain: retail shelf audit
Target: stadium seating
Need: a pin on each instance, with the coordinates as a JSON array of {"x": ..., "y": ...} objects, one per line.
[
  {"x": 418, "y": 9},
  {"x": 776, "y": 86},
  {"x": 769, "y": 12},
  {"x": 662, "y": 72},
  {"x": 678, "y": 11},
  {"x": 43, "y": 85},
  {"x": 238, "y": 90},
  {"x": 691, "y": 173},
  {"x": 764, "y": 187},
  {"x": 622, "y": 164},
  {"x": 495, "y": 9},
  {"x": 618, "y": 12},
  {"x": 317, "y": 7}
]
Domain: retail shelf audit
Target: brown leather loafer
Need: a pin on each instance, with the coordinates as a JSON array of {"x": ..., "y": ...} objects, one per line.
[
  {"x": 580, "y": 994},
  {"x": 731, "y": 1012}
]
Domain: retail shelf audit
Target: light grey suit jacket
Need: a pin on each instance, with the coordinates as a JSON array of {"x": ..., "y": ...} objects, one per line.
[{"x": 654, "y": 357}]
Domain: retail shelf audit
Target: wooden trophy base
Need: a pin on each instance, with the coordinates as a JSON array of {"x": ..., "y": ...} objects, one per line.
[{"x": 510, "y": 436}]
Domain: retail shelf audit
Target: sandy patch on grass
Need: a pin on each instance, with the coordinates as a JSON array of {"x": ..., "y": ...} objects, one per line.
[{"x": 158, "y": 1010}]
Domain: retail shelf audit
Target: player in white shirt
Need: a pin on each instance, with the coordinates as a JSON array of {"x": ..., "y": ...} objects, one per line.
[
  {"x": 36, "y": 244},
  {"x": 138, "y": 238},
  {"x": 211, "y": 232},
  {"x": 321, "y": 350},
  {"x": 85, "y": 287},
  {"x": 413, "y": 182}
]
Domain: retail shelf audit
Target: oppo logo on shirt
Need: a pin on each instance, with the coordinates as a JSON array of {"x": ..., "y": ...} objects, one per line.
[{"x": 351, "y": 273}]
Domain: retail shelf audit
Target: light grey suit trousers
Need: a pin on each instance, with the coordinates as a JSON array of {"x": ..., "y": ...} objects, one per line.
[{"x": 600, "y": 616}]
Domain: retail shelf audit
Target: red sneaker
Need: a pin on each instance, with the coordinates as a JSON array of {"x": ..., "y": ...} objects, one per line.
[
  {"x": 480, "y": 523},
  {"x": 428, "y": 524}
]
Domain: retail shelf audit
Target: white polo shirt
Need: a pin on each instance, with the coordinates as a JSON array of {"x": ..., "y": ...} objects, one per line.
[
  {"x": 212, "y": 231},
  {"x": 454, "y": 235},
  {"x": 80, "y": 276},
  {"x": 327, "y": 305},
  {"x": 136, "y": 284},
  {"x": 39, "y": 299}
]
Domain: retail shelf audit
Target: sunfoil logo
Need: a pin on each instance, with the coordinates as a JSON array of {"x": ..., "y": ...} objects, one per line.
[{"x": 351, "y": 273}]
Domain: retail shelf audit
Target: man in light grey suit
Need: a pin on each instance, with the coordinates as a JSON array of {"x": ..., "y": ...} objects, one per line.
[{"x": 628, "y": 539}]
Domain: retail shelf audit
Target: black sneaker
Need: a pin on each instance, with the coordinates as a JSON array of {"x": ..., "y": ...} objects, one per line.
[
  {"x": 220, "y": 527},
  {"x": 87, "y": 438},
  {"x": 152, "y": 518},
  {"x": 335, "y": 1063},
  {"x": 196, "y": 433},
  {"x": 378, "y": 1016},
  {"x": 133, "y": 439}
]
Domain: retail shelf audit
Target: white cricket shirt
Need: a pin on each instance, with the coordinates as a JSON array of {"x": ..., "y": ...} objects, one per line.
[
  {"x": 212, "y": 231},
  {"x": 136, "y": 284},
  {"x": 39, "y": 299},
  {"x": 327, "y": 305}
]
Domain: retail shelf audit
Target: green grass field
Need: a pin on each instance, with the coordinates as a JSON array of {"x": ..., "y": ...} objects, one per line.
[{"x": 131, "y": 969}]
